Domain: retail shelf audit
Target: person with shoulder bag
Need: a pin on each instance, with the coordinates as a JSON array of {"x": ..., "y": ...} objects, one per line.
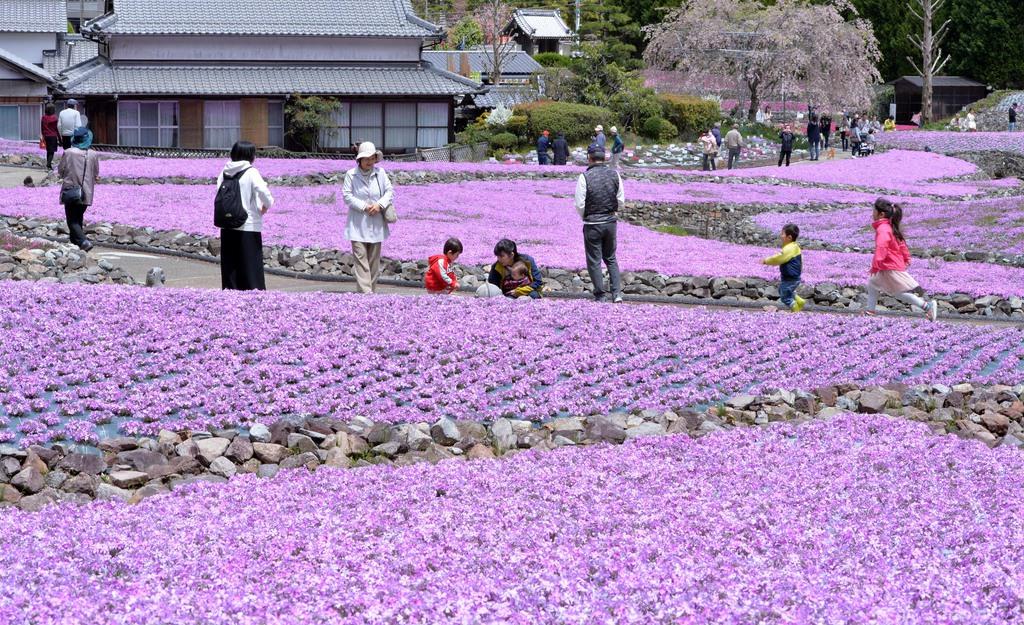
[
  {"x": 243, "y": 197},
  {"x": 369, "y": 197},
  {"x": 78, "y": 169}
]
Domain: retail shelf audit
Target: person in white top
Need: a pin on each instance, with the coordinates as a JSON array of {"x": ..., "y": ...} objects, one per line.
[
  {"x": 68, "y": 121},
  {"x": 241, "y": 249},
  {"x": 367, "y": 192}
]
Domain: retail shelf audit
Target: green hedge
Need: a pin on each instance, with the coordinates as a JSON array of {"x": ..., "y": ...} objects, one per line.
[
  {"x": 690, "y": 115},
  {"x": 552, "y": 59},
  {"x": 660, "y": 129},
  {"x": 577, "y": 121},
  {"x": 504, "y": 140}
]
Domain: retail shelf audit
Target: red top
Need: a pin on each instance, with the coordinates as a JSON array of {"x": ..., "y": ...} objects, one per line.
[
  {"x": 891, "y": 254},
  {"x": 48, "y": 126},
  {"x": 440, "y": 277}
]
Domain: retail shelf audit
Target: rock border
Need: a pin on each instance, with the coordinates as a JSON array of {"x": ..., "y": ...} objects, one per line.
[
  {"x": 133, "y": 469},
  {"x": 45, "y": 261}
]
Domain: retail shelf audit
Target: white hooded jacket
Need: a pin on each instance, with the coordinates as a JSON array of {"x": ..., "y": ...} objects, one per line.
[{"x": 255, "y": 193}]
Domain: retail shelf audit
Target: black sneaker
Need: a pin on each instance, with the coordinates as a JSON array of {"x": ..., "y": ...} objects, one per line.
[{"x": 85, "y": 247}]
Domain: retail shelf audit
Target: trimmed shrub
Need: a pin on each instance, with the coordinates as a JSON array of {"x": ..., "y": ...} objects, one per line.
[
  {"x": 504, "y": 140},
  {"x": 518, "y": 125},
  {"x": 577, "y": 121},
  {"x": 552, "y": 59},
  {"x": 690, "y": 115},
  {"x": 660, "y": 129}
]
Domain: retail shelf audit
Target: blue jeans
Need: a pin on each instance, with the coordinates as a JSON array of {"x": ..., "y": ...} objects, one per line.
[
  {"x": 787, "y": 291},
  {"x": 812, "y": 147},
  {"x": 1013, "y": 126}
]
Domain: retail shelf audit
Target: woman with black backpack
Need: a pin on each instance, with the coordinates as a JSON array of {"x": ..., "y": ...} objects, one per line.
[{"x": 243, "y": 197}]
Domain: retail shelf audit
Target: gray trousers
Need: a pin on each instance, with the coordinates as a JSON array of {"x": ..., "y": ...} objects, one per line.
[
  {"x": 734, "y": 157},
  {"x": 599, "y": 240},
  {"x": 367, "y": 265}
]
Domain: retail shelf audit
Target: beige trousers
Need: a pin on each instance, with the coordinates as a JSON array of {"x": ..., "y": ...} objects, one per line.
[{"x": 367, "y": 267}]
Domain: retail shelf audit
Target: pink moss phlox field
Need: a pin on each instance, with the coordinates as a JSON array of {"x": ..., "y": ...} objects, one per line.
[
  {"x": 20, "y": 147},
  {"x": 950, "y": 142},
  {"x": 83, "y": 362},
  {"x": 539, "y": 215},
  {"x": 990, "y": 225},
  {"x": 858, "y": 519},
  {"x": 897, "y": 171}
]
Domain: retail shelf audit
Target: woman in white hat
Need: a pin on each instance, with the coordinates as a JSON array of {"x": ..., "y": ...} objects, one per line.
[{"x": 367, "y": 192}]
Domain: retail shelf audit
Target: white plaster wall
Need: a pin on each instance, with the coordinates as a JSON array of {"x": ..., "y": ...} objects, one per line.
[
  {"x": 262, "y": 49},
  {"x": 28, "y": 46}
]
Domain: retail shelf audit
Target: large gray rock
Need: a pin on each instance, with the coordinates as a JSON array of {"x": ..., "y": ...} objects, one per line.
[
  {"x": 141, "y": 459},
  {"x": 873, "y": 402},
  {"x": 56, "y": 479},
  {"x": 601, "y": 429},
  {"x": 504, "y": 437},
  {"x": 119, "y": 444},
  {"x": 83, "y": 484},
  {"x": 90, "y": 464},
  {"x": 223, "y": 467},
  {"x": 35, "y": 503},
  {"x": 109, "y": 491},
  {"x": 306, "y": 459},
  {"x": 259, "y": 433},
  {"x": 239, "y": 450},
  {"x": 445, "y": 432},
  {"x": 269, "y": 453},
  {"x": 128, "y": 479},
  {"x": 211, "y": 448},
  {"x": 302, "y": 443},
  {"x": 267, "y": 470},
  {"x": 645, "y": 429},
  {"x": 29, "y": 480}
]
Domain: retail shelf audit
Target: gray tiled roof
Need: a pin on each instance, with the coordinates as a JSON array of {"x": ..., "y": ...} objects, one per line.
[
  {"x": 517, "y": 62},
  {"x": 32, "y": 71},
  {"x": 509, "y": 95},
  {"x": 941, "y": 81},
  {"x": 541, "y": 23},
  {"x": 33, "y": 16},
  {"x": 99, "y": 78},
  {"x": 340, "y": 18},
  {"x": 82, "y": 51}
]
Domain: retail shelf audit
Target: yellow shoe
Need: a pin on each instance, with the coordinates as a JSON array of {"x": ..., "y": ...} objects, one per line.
[{"x": 798, "y": 303}]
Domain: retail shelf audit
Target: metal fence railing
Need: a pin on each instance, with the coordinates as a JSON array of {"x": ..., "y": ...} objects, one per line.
[{"x": 450, "y": 154}]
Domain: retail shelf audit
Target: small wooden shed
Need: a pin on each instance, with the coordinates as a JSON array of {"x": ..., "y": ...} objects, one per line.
[{"x": 949, "y": 95}]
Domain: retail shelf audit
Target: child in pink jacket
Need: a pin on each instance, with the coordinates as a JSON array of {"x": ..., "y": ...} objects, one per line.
[{"x": 889, "y": 265}]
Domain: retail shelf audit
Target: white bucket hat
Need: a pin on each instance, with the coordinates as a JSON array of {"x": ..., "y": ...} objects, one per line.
[
  {"x": 367, "y": 149},
  {"x": 614, "y": 130},
  {"x": 598, "y": 128}
]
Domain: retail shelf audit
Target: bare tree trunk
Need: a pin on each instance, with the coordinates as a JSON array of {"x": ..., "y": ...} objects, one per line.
[
  {"x": 932, "y": 62},
  {"x": 755, "y": 101}
]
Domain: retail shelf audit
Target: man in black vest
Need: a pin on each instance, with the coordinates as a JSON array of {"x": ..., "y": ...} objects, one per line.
[{"x": 599, "y": 197}]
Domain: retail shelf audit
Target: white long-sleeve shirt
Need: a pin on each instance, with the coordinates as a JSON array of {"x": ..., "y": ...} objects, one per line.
[
  {"x": 67, "y": 121},
  {"x": 361, "y": 191},
  {"x": 581, "y": 196},
  {"x": 254, "y": 191}
]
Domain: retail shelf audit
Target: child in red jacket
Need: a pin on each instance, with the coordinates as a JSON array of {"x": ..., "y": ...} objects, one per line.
[
  {"x": 889, "y": 265},
  {"x": 440, "y": 278}
]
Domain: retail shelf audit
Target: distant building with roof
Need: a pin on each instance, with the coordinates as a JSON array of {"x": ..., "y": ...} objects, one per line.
[
  {"x": 203, "y": 74},
  {"x": 540, "y": 30},
  {"x": 520, "y": 77},
  {"x": 28, "y": 29},
  {"x": 949, "y": 95}
]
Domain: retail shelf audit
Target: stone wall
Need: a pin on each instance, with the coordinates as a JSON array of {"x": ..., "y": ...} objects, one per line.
[{"x": 132, "y": 469}]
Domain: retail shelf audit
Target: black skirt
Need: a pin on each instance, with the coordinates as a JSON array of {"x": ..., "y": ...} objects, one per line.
[{"x": 241, "y": 260}]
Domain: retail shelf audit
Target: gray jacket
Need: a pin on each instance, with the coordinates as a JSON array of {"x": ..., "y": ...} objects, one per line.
[{"x": 79, "y": 167}]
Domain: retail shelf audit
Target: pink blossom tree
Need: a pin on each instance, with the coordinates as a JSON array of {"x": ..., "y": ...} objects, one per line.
[{"x": 829, "y": 59}]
